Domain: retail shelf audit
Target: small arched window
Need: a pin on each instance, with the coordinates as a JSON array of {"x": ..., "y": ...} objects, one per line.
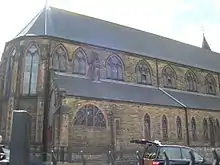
[
  {"x": 80, "y": 62},
  {"x": 179, "y": 127},
  {"x": 59, "y": 58},
  {"x": 143, "y": 71},
  {"x": 169, "y": 77},
  {"x": 210, "y": 84},
  {"x": 217, "y": 130},
  {"x": 205, "y": 129},
  {"x": 147, "y": 128},
  {"x": 90, "y": 115},
  {"x": 193, "y": 127},
  {"x": 114, "y": 68},
  {"x": 31, "y": 69},
  {"x": 191, "y": 81},
  {"x": 164, "y": 127},
  {"x": 212, "y": 132}
]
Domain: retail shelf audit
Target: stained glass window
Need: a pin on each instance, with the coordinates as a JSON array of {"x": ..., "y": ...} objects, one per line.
[
  {"x": 143, "y": 73},
  {"x": 191, "y": 81},
  {"x": 90, "y": 115},
  {"x": 59, "y": 58},
  {"x": 114, "y": 68},
  {"x": 31, "y": 70},
  {"x": 80, "y": 62},
  {"x": 169, "y": 77}
]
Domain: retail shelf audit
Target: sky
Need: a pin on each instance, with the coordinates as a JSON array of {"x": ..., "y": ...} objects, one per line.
[{"x": 180, "y": 20}]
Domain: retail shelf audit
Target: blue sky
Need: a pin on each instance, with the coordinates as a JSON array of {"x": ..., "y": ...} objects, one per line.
[{"x": 181, "y": 20}]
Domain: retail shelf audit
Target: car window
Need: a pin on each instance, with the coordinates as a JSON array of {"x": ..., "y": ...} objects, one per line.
[
  {"x": 172, "y": 152},
  {"x": 151, "y": 152},
  {"x": 186, "y": 155}
]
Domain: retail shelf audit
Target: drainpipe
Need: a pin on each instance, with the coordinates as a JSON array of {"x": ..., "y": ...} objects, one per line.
[{"x": 186, "y": 113}]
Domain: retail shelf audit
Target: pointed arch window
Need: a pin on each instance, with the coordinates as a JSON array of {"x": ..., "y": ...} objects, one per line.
[
  {"x": 193, "y": 127},
  {"x": 147, "y": 128},
  {"x": 210, "y": 84},
  {"x": 31, "y": 62},
  {"x": 205, "y": 129},
  {"x": 179, "y": 128},
  {"x": 191, "y": 81},
  {"x": 211, "y": 131},
  {"x": 59, "y": 58},
  {"x": 79, "y": 62},
  {"x": 217, "y": 130},
  {"x": 143, "y": 71},
  {"x": 89, "y": 116},
  {"x": 114, "y": 68},
  {"x": 169, "y": 77},
  {"x": 165, "y": 127},
  {"x": 9, "y": 72}
]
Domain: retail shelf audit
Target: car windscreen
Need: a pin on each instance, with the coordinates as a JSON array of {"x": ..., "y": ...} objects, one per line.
[{"x": 173, "y": 153}]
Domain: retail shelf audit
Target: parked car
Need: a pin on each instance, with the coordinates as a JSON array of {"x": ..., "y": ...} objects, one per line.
[{"x": 178, "y": 155}]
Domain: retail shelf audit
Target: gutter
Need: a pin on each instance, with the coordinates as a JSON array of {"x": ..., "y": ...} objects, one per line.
[{"x": 186, "y": 113}]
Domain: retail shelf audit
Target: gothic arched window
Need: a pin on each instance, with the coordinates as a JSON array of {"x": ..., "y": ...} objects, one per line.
[
  {"x": 80, "y": 62},
  {"x": 211, "y": 132},
  {"x": 9, "y": 72},
  {"x": 114, "y": 68},
  {"x": 31, "y": 69},
  {"x": 193, "y": 127},
  {"x": 205, "y": 129},
  {"x": 169, "y": 77},
  {"x": 179, "y": 127},
  {"x": 165, "y": 127},
  {"x": 210, "y": 84},
  {"x": 147, "y": 128},
  {"x": 59, "y": 58},
  {"x": 90, "y": 115},
  {"x": 191, "y": 81},
  {"x": 143, "y": 72},
  {"x": 217, "y": 130}
]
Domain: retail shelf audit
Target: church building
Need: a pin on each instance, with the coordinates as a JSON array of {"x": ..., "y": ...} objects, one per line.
[{"x": 93, "y": 85}]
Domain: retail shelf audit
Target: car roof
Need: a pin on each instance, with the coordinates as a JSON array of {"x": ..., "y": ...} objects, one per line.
[{"x": 170, "y": 145}]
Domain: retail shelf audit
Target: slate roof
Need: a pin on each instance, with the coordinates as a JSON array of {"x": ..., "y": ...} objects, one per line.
[
  {"x": 80, "y": 28},
  {"x": 196, "y": 100},
  {"x": 82, "y": 87}
]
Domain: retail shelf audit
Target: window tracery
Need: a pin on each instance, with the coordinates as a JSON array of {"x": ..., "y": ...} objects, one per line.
[
  {"x": 169, "y": 77},
  {"x": 59, "y": 58},
  {"x": 191, "y": 81},
  {"x": 179, "y": 127},
  {"x": 114, "y": 68},
  {"x": 31, "y": 69},
  {"x": 80, "y": 62},
  {"x": 143, "y": 73},
  {"x": 205, "y": 129},
  {"x": 193, "y": 127},
  {"x": 147, "y": 127},
  {"x": 89, "y": 115},
  {"x": 165, "y": 127},
  {"x": 210, "y": 84}
]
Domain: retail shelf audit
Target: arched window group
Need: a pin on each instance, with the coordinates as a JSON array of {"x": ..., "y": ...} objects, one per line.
[
  {"x": 31, "y": 62},
  {"x": 90, "y": 116},
  {"x": 169, "y": 77},
  {"x": 143, "y": 71}
]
